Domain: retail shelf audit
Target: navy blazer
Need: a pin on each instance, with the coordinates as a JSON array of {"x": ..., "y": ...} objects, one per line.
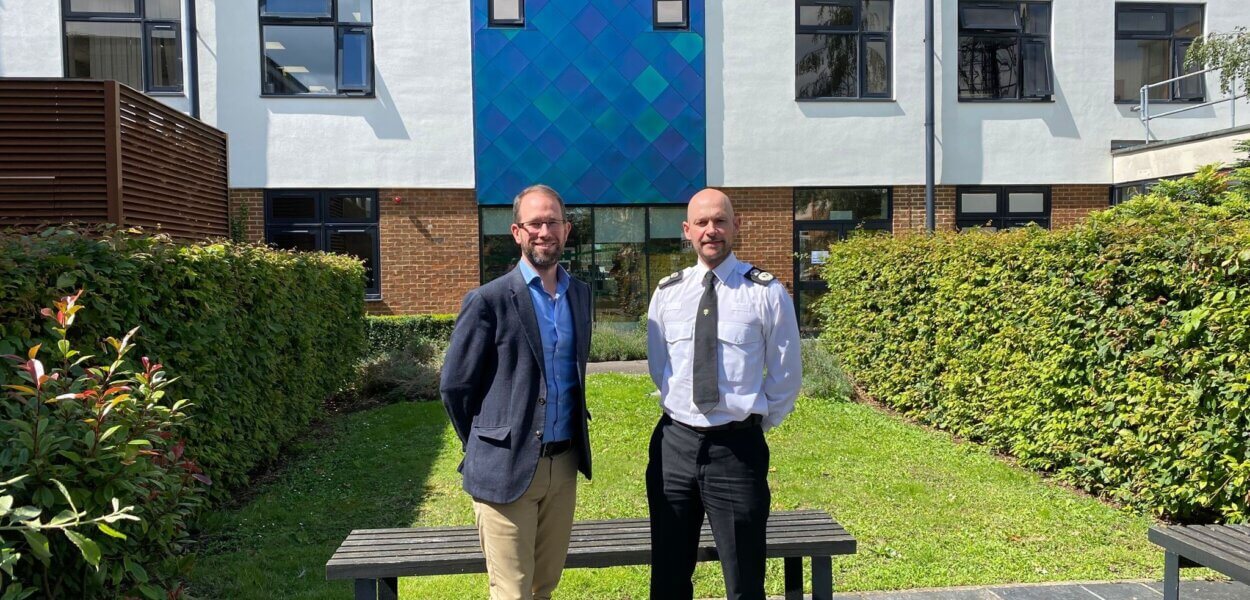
[{"x": 494, "y": 388}]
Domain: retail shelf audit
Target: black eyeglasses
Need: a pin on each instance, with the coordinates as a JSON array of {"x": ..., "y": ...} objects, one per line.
[{"x": 536, "y": 227}]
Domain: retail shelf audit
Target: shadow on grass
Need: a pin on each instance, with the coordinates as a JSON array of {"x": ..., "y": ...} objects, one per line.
[{"x": 365, "y": 470}]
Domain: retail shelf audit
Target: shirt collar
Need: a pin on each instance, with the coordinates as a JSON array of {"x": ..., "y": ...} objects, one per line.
[
  {"x": 531, "y": 276},
  {"x": 727, "y": 267}
]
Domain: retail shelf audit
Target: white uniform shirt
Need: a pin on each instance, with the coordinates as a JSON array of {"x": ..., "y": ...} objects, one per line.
[{"x": 757, "y": 333}]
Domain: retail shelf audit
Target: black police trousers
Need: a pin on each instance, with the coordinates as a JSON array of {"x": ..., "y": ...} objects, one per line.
[{"x": 722, "y": 473}]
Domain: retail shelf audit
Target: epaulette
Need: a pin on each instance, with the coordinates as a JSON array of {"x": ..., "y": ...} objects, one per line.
[
  {"x": 670, "y": 280},
  {"x": 759, "y": 276}
]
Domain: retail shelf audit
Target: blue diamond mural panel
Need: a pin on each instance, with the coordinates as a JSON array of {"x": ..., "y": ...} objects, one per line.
[{"x": 589, "y": 98}]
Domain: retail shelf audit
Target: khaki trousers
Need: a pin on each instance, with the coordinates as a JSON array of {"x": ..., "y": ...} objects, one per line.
[{"x": 525, "y": 542}]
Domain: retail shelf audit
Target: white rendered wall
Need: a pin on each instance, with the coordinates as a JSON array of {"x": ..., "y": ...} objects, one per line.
[
  {"x": 416, "y": 133},
  {"x": 31, "y": 44},
  {"x": 30, "y": 38},
  {"x": 1180, "y": 158},
  {"x": 758, "y": 135}
]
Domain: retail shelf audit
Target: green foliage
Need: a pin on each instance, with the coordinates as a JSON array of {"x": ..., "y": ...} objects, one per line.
[
  {"x": 411, "y": 373},
  {"x": 823, "y": 376},
  {"x": 613, "y": 343},
  {"x": 1115, "y": 354},
  {"x": 1207, "y": 186},
  {"x": 238, "y": 225},
  {"x": 101, "y": 489},
  {"x": 259, "y": 337},
  {"x": 1229, "y": 52},
  {"x": 394, "y": 333}
]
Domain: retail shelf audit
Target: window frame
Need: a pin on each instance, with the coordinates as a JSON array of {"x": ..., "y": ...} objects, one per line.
[
  {"x": 862, "y": 38},
  {"x": 339, "y": 27},
  {"x": 145, "y": 42},
  {"x": 1169, "y": 35},
  {"x": 324, "y": 227},
  {"x": 493, "y": 23},
  {"x": 655, "y": 17},
  {"x": 1021, "y": 37},
  {"x": 1002, "y": 218}
]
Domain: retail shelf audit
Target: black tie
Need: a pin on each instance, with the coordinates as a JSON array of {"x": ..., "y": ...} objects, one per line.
[{"x": 706, "y": 388}]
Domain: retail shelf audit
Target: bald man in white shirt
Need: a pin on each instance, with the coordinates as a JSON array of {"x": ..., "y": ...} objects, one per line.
[{"x": 723, "y": 349}]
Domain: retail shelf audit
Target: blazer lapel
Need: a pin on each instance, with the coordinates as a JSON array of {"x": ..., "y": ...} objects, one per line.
[
  {"x": 581, "y": 325},
  {"x": 524, "y": 305}
]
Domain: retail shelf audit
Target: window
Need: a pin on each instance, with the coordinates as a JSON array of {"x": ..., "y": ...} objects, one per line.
[
  {"x": 622, "y": 252},
  {"x": 340, "y": 221},
  {"x": 1004, "y": 51},
  {"x": 670, "y": 14},
  {"x": 136, "y": 42},
  {"x": 842, "y": 49},
  {"x": 317, "y": 47},
  {"x": 1150, "y": 45},
  {"x": 996, "y": 208},
  {"x": 506, "y": 13},
  {"x": 822, "y": 217}
]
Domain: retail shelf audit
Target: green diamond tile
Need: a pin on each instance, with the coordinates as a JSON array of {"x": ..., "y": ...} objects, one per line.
[
  {"x": 688, "y": 45},
  {"x": 651, "y": 124},
  {"x": 650, "y": 84}
]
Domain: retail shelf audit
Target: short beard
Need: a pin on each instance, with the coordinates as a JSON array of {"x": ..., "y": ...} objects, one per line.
[{"x": 532, "y": 254}]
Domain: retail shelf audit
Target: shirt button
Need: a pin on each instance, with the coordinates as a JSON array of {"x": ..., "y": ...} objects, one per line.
[
  {"x": 538, "y": 434},
  {"x": 541, "y": 400}
]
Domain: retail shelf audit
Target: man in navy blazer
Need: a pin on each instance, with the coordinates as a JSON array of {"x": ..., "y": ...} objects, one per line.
[{"x": 514, "y": 385}]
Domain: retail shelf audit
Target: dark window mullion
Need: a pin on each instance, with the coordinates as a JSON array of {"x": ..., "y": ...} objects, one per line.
[{"x": 69, "y": 14}]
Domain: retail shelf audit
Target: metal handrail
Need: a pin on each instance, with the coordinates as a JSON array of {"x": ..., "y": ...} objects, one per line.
[{"x": 1144, "y": 106}]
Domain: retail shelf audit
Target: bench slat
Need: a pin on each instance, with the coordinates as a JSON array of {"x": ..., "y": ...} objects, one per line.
[
  {"x": 469, "y": 535},
  {"x": 393, "y": 566},
  {"x": 1196, "y": 545},
  {"x": 381, "y": 553},
  {"x": 586, "y": 545},
  {"x": 777, "y": 516}
]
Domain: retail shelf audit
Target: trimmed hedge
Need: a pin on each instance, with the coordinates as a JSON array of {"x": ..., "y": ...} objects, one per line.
[
  {"x": 258, "y": 337},
  {"x": 390, "y": 333},
  {"x": 1115, "y": 354}
]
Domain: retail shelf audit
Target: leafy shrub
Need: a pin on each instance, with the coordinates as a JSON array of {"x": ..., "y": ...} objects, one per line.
[
  {"x": 823, "y": 376},
  {"x": 80, "y": 439},
  {"x": 1115, "y": 354},
  {"x": 609, "y": 343},
  {"x": 394, "y": 333},
  {"x": 259, "y": 337},
  {"x": 411, "y": 373}
]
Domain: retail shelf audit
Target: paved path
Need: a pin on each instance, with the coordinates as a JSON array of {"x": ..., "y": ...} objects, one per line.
[
  {"x": 1190, "y": 590},
  {"x": 629, "y": 367}
]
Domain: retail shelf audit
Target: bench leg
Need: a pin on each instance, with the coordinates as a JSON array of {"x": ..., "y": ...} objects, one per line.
[
  {"x": 794, "y": 577},
  {"x": 388, "y": 588},
  {"x": 366, "y": 589},
  {"x": 822, "y": 578},
  {"x": 1171, "y": 576}
]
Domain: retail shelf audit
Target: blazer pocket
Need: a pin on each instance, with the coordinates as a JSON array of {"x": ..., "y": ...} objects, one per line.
[{"x": 498, "y": 434}]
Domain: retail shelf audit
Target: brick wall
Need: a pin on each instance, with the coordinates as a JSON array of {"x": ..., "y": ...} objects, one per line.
[
  {"x": 428, "y": 240},
  {"x": 909, "y": 211},
  {"x": 766, "y": 238},
  {"x": 1069, "y": 204},
  {"x": 249, "y": 205},
  {"x": 429, "y": 250}
]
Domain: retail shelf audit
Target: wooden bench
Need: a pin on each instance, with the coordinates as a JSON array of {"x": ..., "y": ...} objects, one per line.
[
  {"x": 1224, "y": 548},
  {"x": 376, "y": 558}
]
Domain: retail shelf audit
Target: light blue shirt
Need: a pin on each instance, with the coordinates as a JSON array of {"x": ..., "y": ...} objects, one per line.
[{"x": 555, "y": 325}]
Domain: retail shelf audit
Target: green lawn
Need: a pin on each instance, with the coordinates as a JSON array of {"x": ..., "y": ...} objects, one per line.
[{"x": 927, "y": 511}]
